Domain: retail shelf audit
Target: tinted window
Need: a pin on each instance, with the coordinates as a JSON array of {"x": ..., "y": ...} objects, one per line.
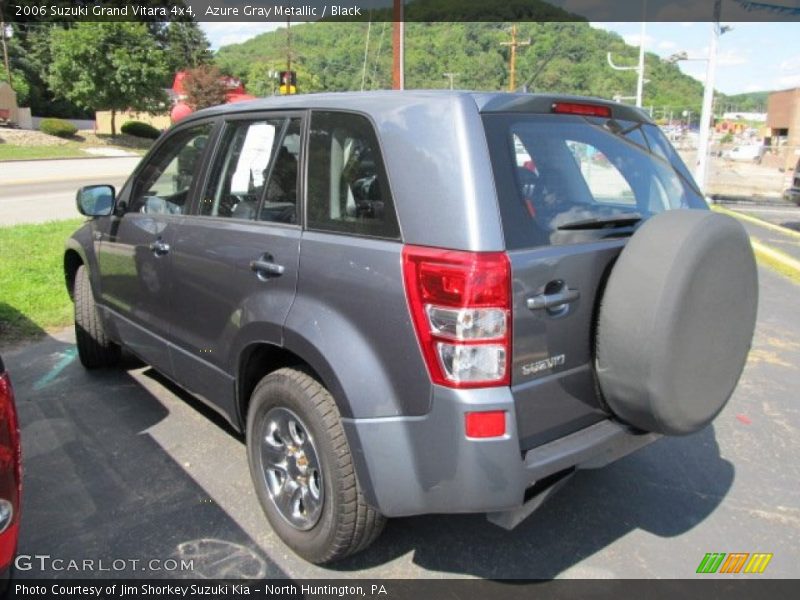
[
  {"x": 554, "y": 171},
  {"x": 605, "y": 182},
  {"x": 280, "y": 199},
  {"x": 347, "y": 186},
  {"x": 162, "y": 186},
  {"x": 241, "y": 167}
]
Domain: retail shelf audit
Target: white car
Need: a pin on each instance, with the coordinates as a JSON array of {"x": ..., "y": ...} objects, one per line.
[{"x": 743, "y": 153}]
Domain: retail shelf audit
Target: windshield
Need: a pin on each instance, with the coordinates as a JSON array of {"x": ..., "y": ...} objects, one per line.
[{"x": 565, "y": 179}]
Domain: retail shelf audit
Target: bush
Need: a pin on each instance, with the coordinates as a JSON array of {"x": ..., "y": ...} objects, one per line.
[
  {"x": 58, "y": 127},
  {"x": 139, "y": 129}
]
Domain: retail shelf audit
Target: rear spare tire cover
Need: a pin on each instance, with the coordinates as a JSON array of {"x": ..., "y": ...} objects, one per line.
[{"x": 676, "y": 321}]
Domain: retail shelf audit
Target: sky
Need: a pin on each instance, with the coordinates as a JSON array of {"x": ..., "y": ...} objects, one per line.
[{"x": 751, "y": 57}]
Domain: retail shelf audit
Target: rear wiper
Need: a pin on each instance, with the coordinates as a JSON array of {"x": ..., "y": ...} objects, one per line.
[{"x": 621, "y": 220}]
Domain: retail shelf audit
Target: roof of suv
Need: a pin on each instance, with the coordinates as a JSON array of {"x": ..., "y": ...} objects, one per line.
[{"x": 387, "y": 100}]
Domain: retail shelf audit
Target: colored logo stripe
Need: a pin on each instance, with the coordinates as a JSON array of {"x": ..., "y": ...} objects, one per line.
[
  {"x": 734, "y": 562},
  {"x": 711, "y": 562},
  {"x": 758, "y": 562}
]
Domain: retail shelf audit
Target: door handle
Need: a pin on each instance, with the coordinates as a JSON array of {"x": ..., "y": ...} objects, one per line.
[
  {"x": 159, "y": 247},
  {"x": 554, "y": 300},
  {"x": 265, "y": 268}
]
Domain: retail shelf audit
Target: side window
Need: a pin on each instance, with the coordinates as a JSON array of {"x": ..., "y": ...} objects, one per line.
[
  {"x": 280, "y": 199},
  {"x": 241, "y": 167},
  {"x": 163, "y": 185},
  {"x": 348, "y": 189},
  {"x": 604, "y": 180}
]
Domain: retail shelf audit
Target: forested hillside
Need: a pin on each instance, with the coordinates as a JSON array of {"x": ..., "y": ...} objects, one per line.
[
  {"x": 749, "y": 102},
  {"x": 563, "y": 57}
]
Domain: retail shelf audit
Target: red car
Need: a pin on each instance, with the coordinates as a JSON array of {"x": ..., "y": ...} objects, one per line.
[{"x": 10, "y": 476}]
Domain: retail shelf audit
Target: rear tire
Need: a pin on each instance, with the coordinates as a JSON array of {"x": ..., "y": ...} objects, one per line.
[
  {"x": 95, "y": 349},
  {"x": 297, "y": 449}
]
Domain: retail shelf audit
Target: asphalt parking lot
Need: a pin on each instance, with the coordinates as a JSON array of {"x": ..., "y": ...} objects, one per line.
[{"x": 122, "y": 465}]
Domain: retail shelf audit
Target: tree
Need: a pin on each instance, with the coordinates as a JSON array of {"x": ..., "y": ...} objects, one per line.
[
  {"x": 204, "y": 87},
  {"x": 186, "y": 47},
  {"x": 107, "y": 66}
]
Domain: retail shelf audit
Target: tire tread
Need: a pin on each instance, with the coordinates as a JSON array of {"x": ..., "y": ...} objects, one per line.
[{"x": 95, "y": 349}]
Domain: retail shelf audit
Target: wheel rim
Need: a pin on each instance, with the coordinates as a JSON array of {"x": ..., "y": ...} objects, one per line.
[{"x": 291, "y": 469}]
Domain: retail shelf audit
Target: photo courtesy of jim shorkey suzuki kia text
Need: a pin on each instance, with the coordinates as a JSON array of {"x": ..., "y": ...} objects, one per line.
[{"x": 195, "y": 589}]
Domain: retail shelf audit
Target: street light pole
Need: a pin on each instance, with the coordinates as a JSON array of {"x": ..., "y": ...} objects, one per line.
[
  {"x": 639, "y": 68},
  {"x": 708, "y": 101},
  {"x": 398, "y": 50},
  {"x": 640, "y": 80},
  {"x": 451, "y": 77}
]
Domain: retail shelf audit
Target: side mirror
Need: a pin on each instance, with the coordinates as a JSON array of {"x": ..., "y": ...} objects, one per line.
[{"x": 95, "y": 200}]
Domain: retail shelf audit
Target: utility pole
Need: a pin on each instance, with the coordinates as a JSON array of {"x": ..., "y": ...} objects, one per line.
[
  {"x": 288, "y": 44},
  {"x": 513, "y": 59},
  {"x": 451, "y": 76},
  {"x": 398, "y": 50}
]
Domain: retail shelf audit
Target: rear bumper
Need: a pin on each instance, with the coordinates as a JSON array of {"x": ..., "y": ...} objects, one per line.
[{"x": 417, "y": 465}]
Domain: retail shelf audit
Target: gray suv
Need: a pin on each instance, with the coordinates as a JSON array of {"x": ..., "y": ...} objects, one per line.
[{"x": 418, "y": 302}]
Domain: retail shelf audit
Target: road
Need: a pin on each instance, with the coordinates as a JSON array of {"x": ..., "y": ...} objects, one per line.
[
  {"x": 774, "y": 226},
  {"x": 44, "y": 190},
  {"x": 121, "y": 464}
]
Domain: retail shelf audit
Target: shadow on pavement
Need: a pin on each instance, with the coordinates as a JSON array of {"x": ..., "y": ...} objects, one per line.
[
  {"x": 96, "y": 486},
  {"x": 665, "y": 489},
  {"x": 795, "y": 225},
  {"x": 14, "y": 326}
]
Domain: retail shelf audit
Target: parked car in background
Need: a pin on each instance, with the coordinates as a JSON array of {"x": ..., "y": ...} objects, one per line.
[
  {"x": 747, "y": 153},
  {"x": 10, "y": 477},
  {"x": 419, "y": 302},
  {"x": 792, "y": 193}
]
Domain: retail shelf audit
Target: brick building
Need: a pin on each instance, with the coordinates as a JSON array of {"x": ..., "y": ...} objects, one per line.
[{"x": 783, "y": 123}]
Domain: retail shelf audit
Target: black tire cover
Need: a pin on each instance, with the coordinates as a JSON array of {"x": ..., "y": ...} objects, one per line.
[{"x": 676, "y": 321}]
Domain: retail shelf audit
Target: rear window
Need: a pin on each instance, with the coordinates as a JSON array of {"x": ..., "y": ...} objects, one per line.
[{"x": 566, "y": 179}]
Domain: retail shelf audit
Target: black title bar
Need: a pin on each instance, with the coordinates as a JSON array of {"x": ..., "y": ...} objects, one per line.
[{"x": 412, "y": 10}]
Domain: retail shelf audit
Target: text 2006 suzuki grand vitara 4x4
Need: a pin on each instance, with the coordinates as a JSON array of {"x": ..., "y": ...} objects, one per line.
[{"x": 419, "y": 302}]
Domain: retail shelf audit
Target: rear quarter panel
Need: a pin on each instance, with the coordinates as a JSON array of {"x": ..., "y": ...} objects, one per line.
[{"x": 350, "y": 321}]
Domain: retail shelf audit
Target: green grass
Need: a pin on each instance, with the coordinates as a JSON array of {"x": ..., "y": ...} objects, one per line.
[
  {"x": 10, "y": 152},
  {"x": 33, "y": 297}
]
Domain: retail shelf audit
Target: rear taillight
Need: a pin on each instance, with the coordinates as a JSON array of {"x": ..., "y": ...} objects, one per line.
[
  {"x": 10, "y": 473},
  {"x": 460, "y": 303},
  {"x": 579, "y": 108}
]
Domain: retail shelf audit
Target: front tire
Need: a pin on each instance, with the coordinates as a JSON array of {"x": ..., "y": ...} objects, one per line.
[
  {"x": 95, "y": 349},
  {"x": 303, "y": 471}
]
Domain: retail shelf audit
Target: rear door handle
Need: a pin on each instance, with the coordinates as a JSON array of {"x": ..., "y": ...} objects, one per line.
[
  {"x": 159, "y": 247},
  {"x": 554, "y": 300},
  {"x": 266, "y": 268}
]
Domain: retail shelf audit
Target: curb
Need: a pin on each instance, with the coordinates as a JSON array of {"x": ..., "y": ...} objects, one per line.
[
  {"x": 89, "y": 156},
  {"x": 774, "y": 255},
  {"x": 12, "y": 182},
  {"x": 760, "y": 222}
]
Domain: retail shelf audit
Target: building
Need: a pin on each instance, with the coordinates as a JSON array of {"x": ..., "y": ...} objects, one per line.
[{"x": 783, "y": 124}]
